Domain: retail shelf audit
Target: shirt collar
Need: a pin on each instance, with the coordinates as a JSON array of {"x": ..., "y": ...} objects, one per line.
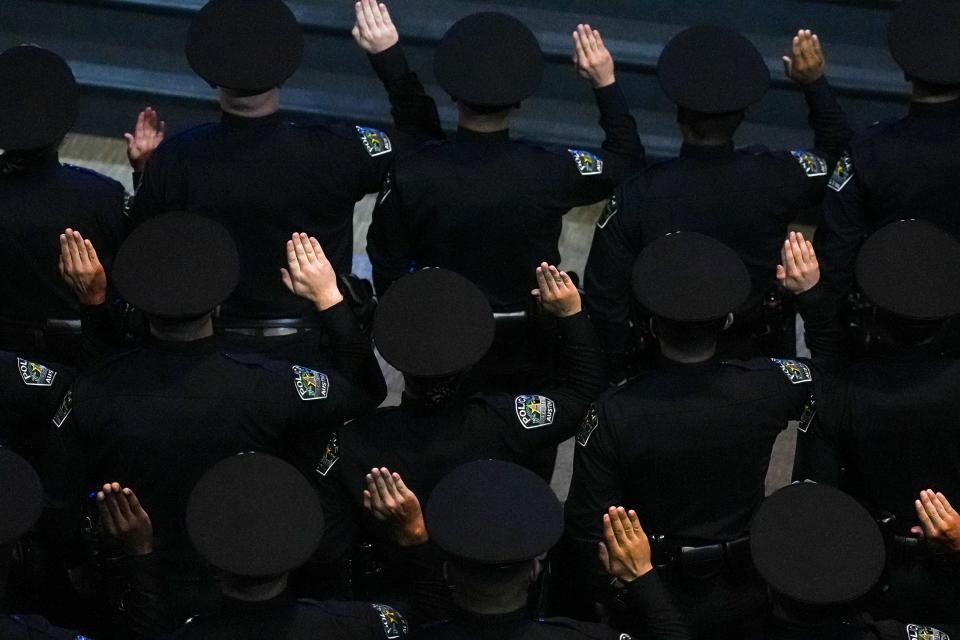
[
  {"x": 706, "y": 151},
  {"x": 477, "y": 136},
  {"x": 242, "y": 122},
  {"x": 935, "y": 109}
]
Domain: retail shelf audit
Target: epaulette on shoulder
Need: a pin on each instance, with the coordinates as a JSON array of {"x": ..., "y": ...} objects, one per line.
[
  {"x": 107, "y": 180},
  {"x": 753, "y": 364},
  {"x": 796, "y": 371},
  {"x": 109, "y": 361},
  {"x": 258, "y": 360}
]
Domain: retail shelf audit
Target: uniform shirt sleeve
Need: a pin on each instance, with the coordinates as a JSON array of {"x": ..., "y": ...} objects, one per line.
[
  {"x": 387, "y": 243},
  {"x": 843, "y": 226},
  {"x": 818, "y": 454},
  {"x": 831, "y": 131},
  {"x": 607, "y": 277},
  {"x": 579, "y": 177},
  {"x": 162, "y": 186},
  {"x": 353, "y": 355},
  {"x": 529, "y": 422},
  {"x": 414, "y": 113},
  {"x": 651, "y": 604}
]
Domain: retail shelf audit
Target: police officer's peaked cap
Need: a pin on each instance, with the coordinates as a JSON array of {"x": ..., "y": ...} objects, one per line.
[
  {"x": 254, "y": 515},
  {"x": 177, "y": 265},
  {"x": 21, "y": 500},
  {"x": 816, "y": 545},
  {"x": 433, "y": 323},
  {"x": 924, "y": 39},
  {"x": 911, "y": 269},
  {"x": 39, "y": 100},
  {"x": 712, "y": 70},
  {"x": 489, "y": 59},
  {"x": 690, "y": 277},
  {"x": 247, "y": 45},
  {"x": 494, "y": 513}
]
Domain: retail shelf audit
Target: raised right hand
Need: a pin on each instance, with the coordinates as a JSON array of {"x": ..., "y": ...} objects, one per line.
[
  {"x": 800, "y": 270},
  {"x": 81, "y": 269},
  {"x": 374, "y": 31},
  {"x": 146, "y": 137},
  {"x": 556, "y": 292}
]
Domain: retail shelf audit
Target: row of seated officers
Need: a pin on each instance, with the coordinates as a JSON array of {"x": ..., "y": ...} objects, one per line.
[{"x": 150, "y": 406}]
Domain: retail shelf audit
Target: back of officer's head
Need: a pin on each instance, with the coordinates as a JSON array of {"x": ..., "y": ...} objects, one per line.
[
  {"x": 493, "y": 519},
  {"x": 255, "y": 518},
  {"x": 922, "y": 38},
  {"x": 911, "y": 271},
  {"x": 690, "y": 284},
  {"x": 433, "y": 325},
  {"x": 177, "y": 268},
  {"x": 712, "y": 74},
  {"x": 818, "y": 550}
]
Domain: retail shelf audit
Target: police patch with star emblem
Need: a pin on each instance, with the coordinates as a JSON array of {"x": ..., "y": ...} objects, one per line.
[
  {"x": 587, "y": 163},
  {"x": 921, "y": 632},
  {"x": 35, "y": 375},
  {"x": 310, "y": 384},
  {"x": 376, "y": 142},
  {"x": 535, "y": 411},
  {"x": 612, "y": 208},
  {"x": 331, "y": 453},
  {"x": 63, "y": 411},
  {"x": 588, "y": 425},
  {"x": 796, "y": 371},
  {"x": 813, "y": 165},
  {"x": 842, "y": 174},
  {"x": 394, "y": 625}
]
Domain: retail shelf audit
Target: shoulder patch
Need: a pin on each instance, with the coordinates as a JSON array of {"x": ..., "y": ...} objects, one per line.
[
  {"x": 587, "y": 163},
  {"x": 612, "y": 209},
  {"x": 809, "y": 412},
  {"x": 842, "y": 174},
  {"x": 63, "y": 411},
  {"x": 35, "y": 375},
  {"x": 921, "y": 632},
  {"x": 588, "y": 425},
  {"x": 310, "y": 384},
  {"x": 376, "y": 142},
  {"x": 394, "y": 625},
  {"x": 331, "y": 453},
  {"x": 796, "y": 371},
  {"x": 535, "y": 411},
  {"x": 813, "y": 165}
]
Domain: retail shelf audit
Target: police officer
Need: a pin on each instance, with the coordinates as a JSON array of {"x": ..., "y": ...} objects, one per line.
[
  {"x": 39, "y": 197},
  {"x": 687, "y": 445},
  {"x": 820, "y": 552},
  {"x": 906, "y": 167},
  {"x": 885, "y": 429},
  {"x": 481, "y": 204},
  {"x": 21, "y": 503},
  {"x": 744, "y": 198},
  {"x": 433, "y": 325},
  {"x": 262, "y": 177},
  {"x": 495, "y": 521},
  {"x": 157, "y": 416},
  {"x": 255, "y": 517}
]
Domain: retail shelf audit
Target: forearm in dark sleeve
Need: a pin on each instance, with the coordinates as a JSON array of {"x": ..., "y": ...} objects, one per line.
[
  {"x": 838, "y": 238},
  {"x": 387, "y": 244},
  {"x": 823, "y": 328},
  {"x": 831, "y": 131},
  {"x": 353, "y": 355},
  {"x": 414, "y": 112},
  {"x": 651, "y": 604},
  {"x": 581, "y": 368},
  {"x": 623, "y": 154},
  {"x": 607, "y": 288},
  {"x": 147, "y": 614}
]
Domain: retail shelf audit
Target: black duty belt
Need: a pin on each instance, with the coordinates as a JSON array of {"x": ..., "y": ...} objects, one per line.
[
  {"x": 730, "y": 553},
  {"x": 266, "y": 328}
]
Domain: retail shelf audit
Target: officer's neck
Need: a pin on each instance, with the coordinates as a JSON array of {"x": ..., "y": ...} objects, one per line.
[
  {"x": 685, "y": 355},
  {"x": 483, "y": 122},
  {"x": 182, "y": 330},
  {"x": 245, "y": 590},
  {"x": 259, "y": 105}
]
